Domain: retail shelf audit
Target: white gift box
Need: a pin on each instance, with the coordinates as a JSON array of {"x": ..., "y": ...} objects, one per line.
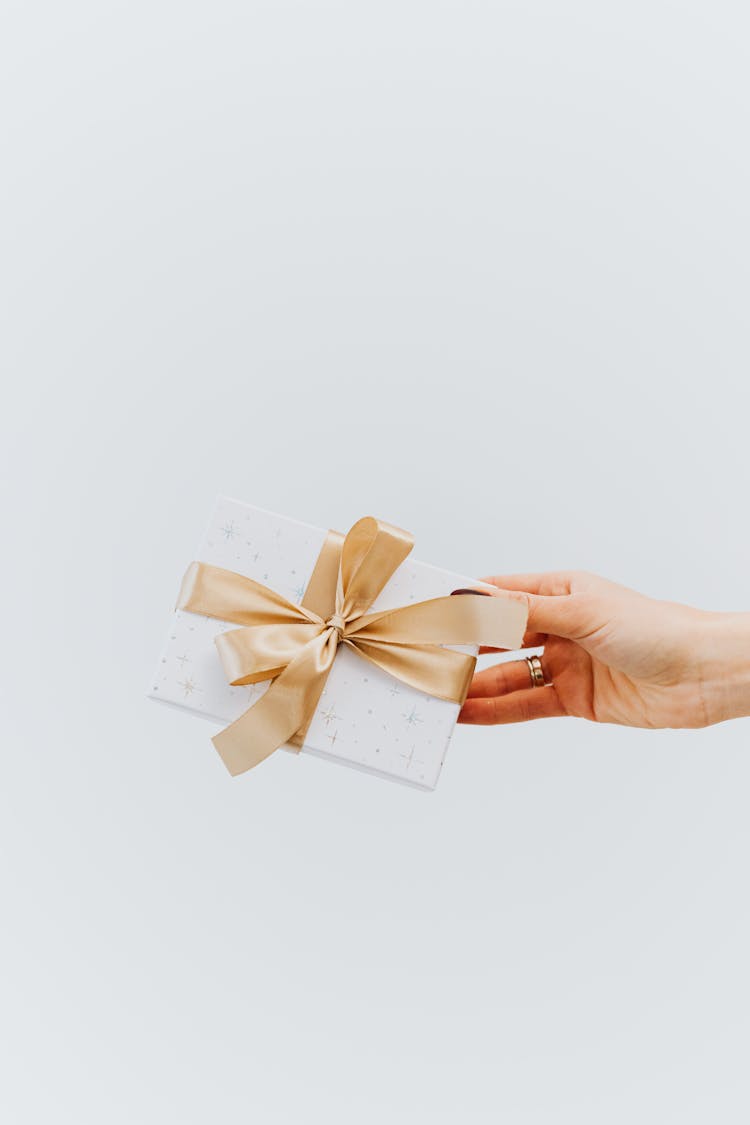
[{"x": 366, "y": 718}]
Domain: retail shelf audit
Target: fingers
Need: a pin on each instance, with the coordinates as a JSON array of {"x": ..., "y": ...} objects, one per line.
[
  {"x": 517, "y": 707},
  {"x": 503, "y": 695},
  {"x": 501, "y": 679},
  {"x": 559, "y": 605}
]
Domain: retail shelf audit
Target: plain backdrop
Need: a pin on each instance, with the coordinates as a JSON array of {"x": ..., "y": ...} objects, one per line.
[{"x": 480, "y": 269}]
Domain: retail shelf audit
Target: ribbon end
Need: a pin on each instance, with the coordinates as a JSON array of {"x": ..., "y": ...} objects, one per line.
[
  {"x": 517, "y": 617},
  {"x": 233, "y": 754},
  {"x": 234, "y": 769}
]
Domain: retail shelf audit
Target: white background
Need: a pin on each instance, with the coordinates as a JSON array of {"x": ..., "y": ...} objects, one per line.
[{"x": 480, "y": 269}]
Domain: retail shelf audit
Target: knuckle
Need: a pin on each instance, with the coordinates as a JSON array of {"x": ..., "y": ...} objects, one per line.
[
  {"x": 496, "y": 710},
  {"x": 526, "y": 600},
  {"x": 502, "y": 679},
  {"x": 524, "y": 711},
  {"x": 580, "y": 577}
]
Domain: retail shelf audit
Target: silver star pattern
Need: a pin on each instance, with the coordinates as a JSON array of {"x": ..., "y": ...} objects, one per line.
[{"x": 409, "y": 758}]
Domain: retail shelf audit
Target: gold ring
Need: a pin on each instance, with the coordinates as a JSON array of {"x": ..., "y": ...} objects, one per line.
[{"x": 536, "y": 671}]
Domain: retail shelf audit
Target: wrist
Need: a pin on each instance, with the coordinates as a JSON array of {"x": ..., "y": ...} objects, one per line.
[{"x": 724, "y": 656}]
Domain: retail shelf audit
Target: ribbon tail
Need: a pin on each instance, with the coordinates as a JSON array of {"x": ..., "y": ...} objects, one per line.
[
  {"x": 436, "y": 671},
  {"x": 261, "y": 652},
  {"x": 287, "y": 706},
  {"x": 497, "y": 621}
]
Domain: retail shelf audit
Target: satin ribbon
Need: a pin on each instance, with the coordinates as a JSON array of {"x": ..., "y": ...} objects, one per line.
[{"x": 295, "y": 645}]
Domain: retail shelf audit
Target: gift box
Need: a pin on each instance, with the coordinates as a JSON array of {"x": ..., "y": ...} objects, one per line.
[{"x": 365, "y": 717}]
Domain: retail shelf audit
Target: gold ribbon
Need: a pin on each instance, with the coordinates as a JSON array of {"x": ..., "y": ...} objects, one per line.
[{"x": 295, "y": 645}]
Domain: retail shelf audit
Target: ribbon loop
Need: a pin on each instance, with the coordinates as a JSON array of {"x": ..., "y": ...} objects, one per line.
[
  {"x": 372, "y": 552},
  {"x": 295, "y": 645}
]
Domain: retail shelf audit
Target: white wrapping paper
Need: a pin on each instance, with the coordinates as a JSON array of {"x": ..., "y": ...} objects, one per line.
[{"x": 365, "y": 718}]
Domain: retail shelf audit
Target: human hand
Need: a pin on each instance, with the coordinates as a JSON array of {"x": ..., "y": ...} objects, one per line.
[{"x": 614, "y": 656}]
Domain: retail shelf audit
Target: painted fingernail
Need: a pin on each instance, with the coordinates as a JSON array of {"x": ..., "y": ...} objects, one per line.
[{"x": 484, "y": 593}]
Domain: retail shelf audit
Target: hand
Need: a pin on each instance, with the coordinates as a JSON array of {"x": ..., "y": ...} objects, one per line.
[{"x": 615, "y": 656}]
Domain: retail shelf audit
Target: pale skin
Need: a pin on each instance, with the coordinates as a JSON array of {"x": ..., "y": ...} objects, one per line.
[{"x": 615, "y": 656}]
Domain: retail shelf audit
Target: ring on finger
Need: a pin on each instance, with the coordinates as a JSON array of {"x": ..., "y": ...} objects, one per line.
[{"x": 536, "y": 672}]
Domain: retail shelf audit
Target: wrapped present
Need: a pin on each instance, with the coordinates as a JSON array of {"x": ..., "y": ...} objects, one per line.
[{"x": 339, "y": 646}]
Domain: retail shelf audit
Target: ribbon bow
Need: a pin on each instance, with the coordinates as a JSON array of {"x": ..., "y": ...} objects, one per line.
[{"x": 295, "y": 645}]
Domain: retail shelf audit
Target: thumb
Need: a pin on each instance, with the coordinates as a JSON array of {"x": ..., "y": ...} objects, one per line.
[{"x": 563, "y": 615}]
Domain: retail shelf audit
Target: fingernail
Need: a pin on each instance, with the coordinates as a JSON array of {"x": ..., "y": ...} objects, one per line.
[{"x": 484, "y": 593}]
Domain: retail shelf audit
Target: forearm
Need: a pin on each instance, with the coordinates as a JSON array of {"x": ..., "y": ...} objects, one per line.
[{"x": 725, "y": 666}]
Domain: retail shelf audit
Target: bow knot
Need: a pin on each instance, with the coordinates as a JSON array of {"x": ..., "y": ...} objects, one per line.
[{"x": 336, "y": 622}]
